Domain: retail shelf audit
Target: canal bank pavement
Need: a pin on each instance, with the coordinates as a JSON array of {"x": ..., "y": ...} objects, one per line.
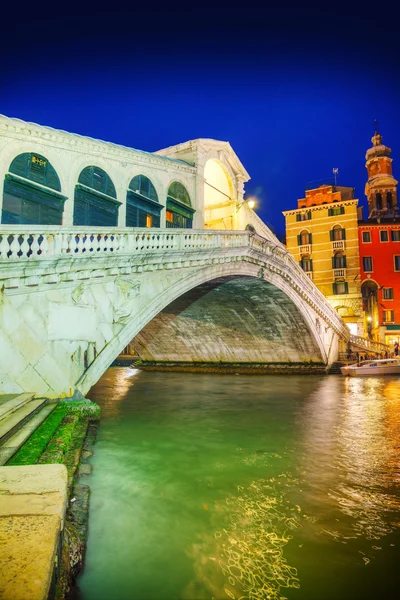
[{"x": 33, "y": 503}]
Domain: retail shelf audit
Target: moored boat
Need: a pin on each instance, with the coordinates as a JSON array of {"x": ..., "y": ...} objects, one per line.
[{"x": 373, "y": 368}]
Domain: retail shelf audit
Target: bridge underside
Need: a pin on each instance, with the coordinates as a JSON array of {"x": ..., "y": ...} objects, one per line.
[{"x": 229, "y": 320}]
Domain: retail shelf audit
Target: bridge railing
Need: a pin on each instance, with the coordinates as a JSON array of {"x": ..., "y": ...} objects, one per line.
[
  {"x": 367, "y": 344},
  {"x": 38, "y": 242}
]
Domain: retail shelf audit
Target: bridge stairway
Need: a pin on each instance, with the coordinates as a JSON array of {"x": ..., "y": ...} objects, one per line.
[
  {"x": 20, "y": 415},
  {"x": 334, "y": 369}
]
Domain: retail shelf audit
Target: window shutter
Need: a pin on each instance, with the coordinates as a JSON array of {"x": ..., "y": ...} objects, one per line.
[
  {"x": 344, "y": 262},
  {"x": 342, "y": 210},
  {"x": 309, "y": 215},
  {"x": 331, "y": 234},
  {"x": 333, "y": 262},
  {"x": 334, "y": 287},
  {"x": 298, "y": 217},
  {"x": 330, "y": 212},
  {"x": 310, "y": 238},
  {"x": 343, "y": 234},
  {"x": 299, "y": 240},
  {"x": 346, "y": 288},
  {"x": 311, "y": 267}
]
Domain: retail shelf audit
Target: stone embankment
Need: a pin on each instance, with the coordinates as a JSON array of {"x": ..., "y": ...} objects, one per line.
[
  {"x": 311, "y": 368},
  {"x": 38, "y": 438}
]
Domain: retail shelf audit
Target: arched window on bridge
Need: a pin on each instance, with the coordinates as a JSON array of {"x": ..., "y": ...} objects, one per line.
[
  {"x": 95, "y": 200},
  {"x": 179, "y": 212},
  {"x": 32, "y": 192},
  {"x": 142, "y": 206},
  {"x": 337, "y": 233}
]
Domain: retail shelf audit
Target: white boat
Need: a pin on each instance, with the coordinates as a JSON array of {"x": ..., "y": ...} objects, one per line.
[{"x": 373, "y": 368}]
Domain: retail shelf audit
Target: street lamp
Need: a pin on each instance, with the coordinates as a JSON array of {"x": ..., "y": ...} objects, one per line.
[{"x": 250, "y": 203}]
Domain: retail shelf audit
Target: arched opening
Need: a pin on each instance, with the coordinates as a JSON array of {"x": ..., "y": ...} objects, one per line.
[
  {"x": 179, "y": 213},
  {"x": 219, "y": 203},
  {"x": 389, "y": 200},
  {"x": 142, "y": 206},
  {"x": 250, "y": 227},
  {"x": 337, "y": 233},
  {"x": 369, "y": 291},
  {"x": 378, "y": 201},
  {"x": 306, "y": 264},
  {"x": 95, "y": 200},
  {"x": 304, "y": 238},
  {"x": 339, "y": 260},
  {"x": 32, "y": 192}
]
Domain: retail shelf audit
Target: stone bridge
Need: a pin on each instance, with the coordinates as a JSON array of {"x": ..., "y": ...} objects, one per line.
[{"x": 72, "y": 298}]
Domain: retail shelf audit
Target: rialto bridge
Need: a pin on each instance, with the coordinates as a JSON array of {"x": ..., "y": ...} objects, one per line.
[{"x": 101, "y": 245}]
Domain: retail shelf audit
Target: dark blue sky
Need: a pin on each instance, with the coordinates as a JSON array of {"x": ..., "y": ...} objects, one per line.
[{"x": 294, "y": 90}]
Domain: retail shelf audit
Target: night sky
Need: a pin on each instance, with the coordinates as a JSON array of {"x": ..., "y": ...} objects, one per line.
[{"x": 294, "y": 90}]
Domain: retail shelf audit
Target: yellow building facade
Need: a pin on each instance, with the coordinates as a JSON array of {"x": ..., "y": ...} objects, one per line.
[{"x": 322, "y": 236}]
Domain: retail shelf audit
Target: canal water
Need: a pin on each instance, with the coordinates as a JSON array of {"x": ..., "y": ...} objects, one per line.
[{"x": 209, "y": 486}]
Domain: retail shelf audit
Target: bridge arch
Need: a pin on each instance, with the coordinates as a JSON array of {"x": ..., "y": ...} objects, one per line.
[
  {"x": 32, "y": 192},
  {"x": 179, "y": 211},
  {"x": 95, "y": 198},
  {"x": 146, "y": 311},
  {"x": 219, "y": 196},
  {"x": 142, "y": 204}
]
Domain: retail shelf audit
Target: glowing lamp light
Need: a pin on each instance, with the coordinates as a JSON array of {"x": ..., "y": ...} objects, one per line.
[
  {"x": 251, "y": 204},
  {"x": 369, "y": 319}
]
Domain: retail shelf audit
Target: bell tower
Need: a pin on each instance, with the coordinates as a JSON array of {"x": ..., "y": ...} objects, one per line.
[{"x": 381, "y": 187}]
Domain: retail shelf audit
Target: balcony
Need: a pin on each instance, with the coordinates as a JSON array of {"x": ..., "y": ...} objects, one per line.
[
  {"x": 339, "y": 274},
  {"x": 306, "y": 249},
  {"x": 309, "y": 274},
  {"x": 338, "y": 245}
]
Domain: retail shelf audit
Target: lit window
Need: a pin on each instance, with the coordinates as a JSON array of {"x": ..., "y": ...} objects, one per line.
[
  {"x": 387, "y": 293},
  {"x": 169, "y": 216},
  {"x": 388, "y": 316},
  {"x": 395, "y": 235},
  {"x": 366, "y": 237},
  {"x": 397, "y": 263},
  {"x": 367, "y": 264},
  {"x": 149, "y": 221},
  {"x": 384, "y": 237},
  {"x": 304, "y": 238}
]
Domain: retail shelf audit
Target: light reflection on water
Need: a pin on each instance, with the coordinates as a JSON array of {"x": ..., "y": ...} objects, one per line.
[{"x": 250, "y": 487}]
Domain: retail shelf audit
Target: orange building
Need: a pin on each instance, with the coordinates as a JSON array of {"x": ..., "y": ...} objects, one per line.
[{"x": 379, "y": 242}]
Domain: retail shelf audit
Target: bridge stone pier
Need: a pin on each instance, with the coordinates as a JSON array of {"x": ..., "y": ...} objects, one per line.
[{"x": 72, "y": 298}]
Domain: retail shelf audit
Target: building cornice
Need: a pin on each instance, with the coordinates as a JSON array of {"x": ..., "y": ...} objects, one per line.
[
  {"x": 321, "y": 206},
  {"x": 16, "y": 128}
]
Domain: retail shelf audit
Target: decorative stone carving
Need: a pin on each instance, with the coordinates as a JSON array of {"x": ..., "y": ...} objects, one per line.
[
  {"x": 126, "y": 292},
  {"x": 78, "y": 293}
]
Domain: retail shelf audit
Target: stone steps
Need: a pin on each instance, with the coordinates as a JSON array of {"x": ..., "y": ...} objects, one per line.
[
  {"x": 13, "y": 404},
  {"x": 19, "y": 425}
]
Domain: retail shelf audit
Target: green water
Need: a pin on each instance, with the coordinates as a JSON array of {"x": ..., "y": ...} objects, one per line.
[{"x": 209, "y": 486}]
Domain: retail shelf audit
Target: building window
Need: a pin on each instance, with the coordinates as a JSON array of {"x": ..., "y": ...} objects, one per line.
[
  {"x": 389, "y": 200},
  {"x": 335, "y": 210},
  {"x": 387, "y": 293},
  {"x": 306, "y": 264},
  {"x": 378, "y": 201},
  {"x": 149, "y": 221},
  {"x": 384, "y": 237},
  {"x": 366, "y": 237},
  {"x": 304, "y": 238},
  {"x": 367, "y": 264},
  {"x": 339, "y": 261},
  {"x": 341, "y": 287},
  {"x": 388, "y": 316},
  {"x": 304, "y": 216},
  {"x": 397, "y": 263},
  {"x": 395, "y": 235},
  {"x": 168, "y": 216},
  {"x": 337, "y": 233}
]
